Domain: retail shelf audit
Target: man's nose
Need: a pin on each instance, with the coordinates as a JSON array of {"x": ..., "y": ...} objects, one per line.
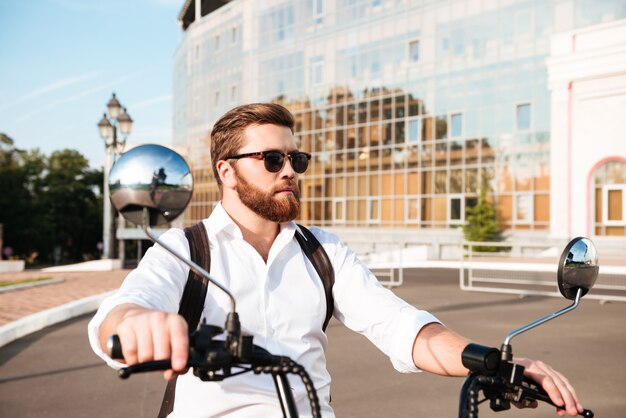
[{"x": 287, "y": 170}]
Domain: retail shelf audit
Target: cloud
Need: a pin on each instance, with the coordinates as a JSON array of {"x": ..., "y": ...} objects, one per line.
[
  {"x": 150, "y": 102},
  {"x": 79, "y": 96},
  {"x": 56, "y": 85}
]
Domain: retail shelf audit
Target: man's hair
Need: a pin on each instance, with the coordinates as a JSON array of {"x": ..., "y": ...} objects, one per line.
[{"x": 227, "y": 135}]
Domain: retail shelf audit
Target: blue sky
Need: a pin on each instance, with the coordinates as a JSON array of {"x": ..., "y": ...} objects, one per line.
[{"x": 60, "y": 61}]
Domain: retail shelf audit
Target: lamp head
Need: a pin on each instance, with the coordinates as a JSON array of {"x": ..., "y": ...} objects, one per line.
[
  {"x": 114, "y": 107},
  {"x": 105, "y": 128}
]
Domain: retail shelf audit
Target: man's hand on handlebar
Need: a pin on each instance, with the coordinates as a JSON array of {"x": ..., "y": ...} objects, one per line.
[
  {"x": 554, "y": 383},
  {"x": 147, "y": 334}
]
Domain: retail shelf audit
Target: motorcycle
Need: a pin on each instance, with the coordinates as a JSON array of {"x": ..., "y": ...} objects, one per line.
[{"x": 151, "y": 185}]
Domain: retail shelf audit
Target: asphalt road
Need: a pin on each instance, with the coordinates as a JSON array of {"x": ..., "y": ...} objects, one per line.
[{"x": 53, "y": 373}]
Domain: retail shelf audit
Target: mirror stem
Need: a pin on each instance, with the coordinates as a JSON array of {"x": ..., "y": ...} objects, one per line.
[
  {"x": 545, "y": 318},
  {"x": 196, "y": 268}
]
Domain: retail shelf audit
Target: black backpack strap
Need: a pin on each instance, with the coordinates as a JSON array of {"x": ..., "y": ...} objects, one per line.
[
  {"x": 192, "y": 301},
  {"x": 318, "y": 257}
]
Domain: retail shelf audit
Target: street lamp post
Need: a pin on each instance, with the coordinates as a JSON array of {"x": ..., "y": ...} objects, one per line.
[{"x": 117, "y": 119}]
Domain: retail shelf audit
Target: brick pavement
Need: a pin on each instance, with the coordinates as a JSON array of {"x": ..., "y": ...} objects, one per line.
[{"x": 76, "y": 285}]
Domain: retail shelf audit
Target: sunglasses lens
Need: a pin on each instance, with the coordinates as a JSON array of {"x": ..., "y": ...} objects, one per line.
[
  {"x": 274, "y": 161},
  {"x": 299, "y": 162}
]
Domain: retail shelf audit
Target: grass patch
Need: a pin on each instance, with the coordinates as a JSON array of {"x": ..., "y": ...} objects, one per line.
[{"x": 24, "y": 281}]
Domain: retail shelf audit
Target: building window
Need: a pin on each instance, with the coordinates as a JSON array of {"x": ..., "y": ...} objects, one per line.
[
  {"x": 233, "y": 93},
  {"x": 524, "y": 208},
  {"x": 233, "y": 35},
  {"x": 412, "y": 209},
  {"x": 456, "y": 209},
  {"x": 339, "y": 210},
  {"x": 456, "y": 125},
  {"x": 414, "y": 51},
  {"x": 217, "y": 42},
  {"x": 318, "y": 11},
  {"x": 317, "y": 71},
  {"x": 375, "y": 70},
  {"x": 610, "y": 199},
  {"x": 522, "y": 117},
  {"x": 414, "y": 131},
  {"x": 373, "y": 209},
  {"x": 216, "y": 98},
  {"x": 614, "y": 205}
]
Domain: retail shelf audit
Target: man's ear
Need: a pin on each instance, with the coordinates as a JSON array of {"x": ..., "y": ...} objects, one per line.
[{"x": 226, "y": 173}]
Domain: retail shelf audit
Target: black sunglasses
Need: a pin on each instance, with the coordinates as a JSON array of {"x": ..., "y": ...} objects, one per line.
[{"x": 275, "y": 160}]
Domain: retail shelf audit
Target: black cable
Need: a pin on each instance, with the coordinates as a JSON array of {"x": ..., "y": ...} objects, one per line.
[{"x": 289, "y": 366}]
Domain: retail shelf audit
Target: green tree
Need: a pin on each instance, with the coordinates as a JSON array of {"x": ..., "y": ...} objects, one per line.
[
  {"x": 20, "y": 209},
  {"x": 49, "y": 203},
  {"x": 482, "y": 223},
  {"x": 73, "y": 203}
]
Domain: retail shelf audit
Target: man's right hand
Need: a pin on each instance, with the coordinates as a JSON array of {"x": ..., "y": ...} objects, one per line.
[{"x": 147, "y": 334}]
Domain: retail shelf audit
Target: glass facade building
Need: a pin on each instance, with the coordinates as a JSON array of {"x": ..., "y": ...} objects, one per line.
[{"x": 410, "y": 108}]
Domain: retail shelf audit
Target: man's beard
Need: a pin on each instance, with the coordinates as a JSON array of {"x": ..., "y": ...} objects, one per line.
[{"x": 266, "y": 204}]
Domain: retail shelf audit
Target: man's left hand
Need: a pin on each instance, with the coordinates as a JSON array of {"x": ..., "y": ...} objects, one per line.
[{"x": 555, "y": 384}]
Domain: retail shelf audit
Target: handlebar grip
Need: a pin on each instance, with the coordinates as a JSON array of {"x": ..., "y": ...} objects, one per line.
[{"x": 114, "y": 348}]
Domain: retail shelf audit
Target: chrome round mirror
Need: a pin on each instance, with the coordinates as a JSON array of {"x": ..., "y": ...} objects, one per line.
[
  {"x": 578, "y": 267},
  {"x": 153, "y": 177}
]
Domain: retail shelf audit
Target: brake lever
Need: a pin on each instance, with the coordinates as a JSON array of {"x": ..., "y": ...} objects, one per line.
[{"x": 530, "y": 390}]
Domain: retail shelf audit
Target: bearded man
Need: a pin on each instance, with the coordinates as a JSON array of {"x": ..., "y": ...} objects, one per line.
[{"x": 280, "y": 298}]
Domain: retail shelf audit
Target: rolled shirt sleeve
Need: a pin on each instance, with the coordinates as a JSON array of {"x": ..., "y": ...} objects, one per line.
[
  {"x": 157, "y": 283},
  {"x": 365, "y": 306}
]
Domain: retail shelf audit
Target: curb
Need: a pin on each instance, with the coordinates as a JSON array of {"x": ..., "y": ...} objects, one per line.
[
  {"x": 40, "y": 320},
  {"x": 29, "y": 285}
]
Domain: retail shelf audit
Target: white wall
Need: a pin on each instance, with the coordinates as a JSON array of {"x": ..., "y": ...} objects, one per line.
[{"x": 587, "y": 79}]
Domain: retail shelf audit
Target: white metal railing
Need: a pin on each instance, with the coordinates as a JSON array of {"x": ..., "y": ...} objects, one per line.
[
  {"x": 385, "y": 260},
  {"x": 528, "y": 269}
]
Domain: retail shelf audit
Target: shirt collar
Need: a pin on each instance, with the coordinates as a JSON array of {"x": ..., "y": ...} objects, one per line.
[{"x": 219, "y": 220}]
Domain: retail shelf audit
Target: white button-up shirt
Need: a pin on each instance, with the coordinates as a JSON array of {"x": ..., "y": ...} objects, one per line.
[{"x": 281, "y": 303}]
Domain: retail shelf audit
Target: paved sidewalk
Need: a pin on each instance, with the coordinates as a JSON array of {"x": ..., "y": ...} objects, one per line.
[{"x": 17, "y": 304}]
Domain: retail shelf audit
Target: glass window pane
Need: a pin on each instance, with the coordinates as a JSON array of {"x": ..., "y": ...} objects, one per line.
[
  {"x": 373, "y": 209},
  {"x": 524, "y": 208},
  {"x": 615, "y": 209},
  {"x": 440, "y": 209},
  {"x": 523, "y": 117},
  {"x": 456, "y": 122},
  {"x": 414, "y": 51},
  {"x": 455, "y": 209},
  {"x": 414, "y": 131},
  {"x": 412, "y": 211},
  {"x": 456, "y": 181},
  {"x": 441, "y": 182},
  {"x": 441, "y": 127}
]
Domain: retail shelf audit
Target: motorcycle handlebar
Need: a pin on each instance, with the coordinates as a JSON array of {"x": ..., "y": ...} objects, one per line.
[{"x": 212, "y": 361}]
